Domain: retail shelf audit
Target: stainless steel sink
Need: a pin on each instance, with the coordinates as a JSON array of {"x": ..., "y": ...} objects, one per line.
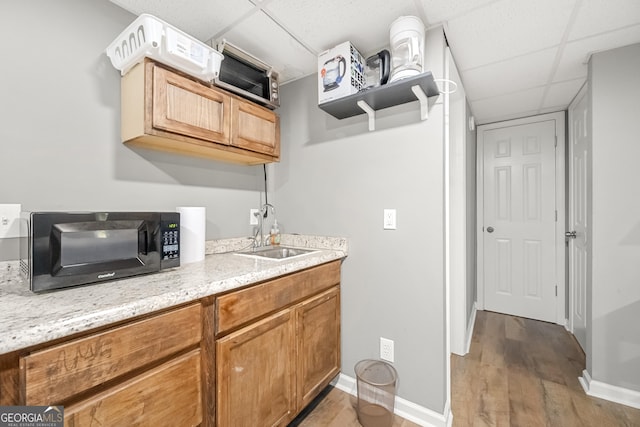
[{"x": 276, "y": 252}]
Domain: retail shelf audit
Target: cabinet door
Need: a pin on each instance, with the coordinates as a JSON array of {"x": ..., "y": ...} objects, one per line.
[
  {"x": 255, "y": 128},
  {"x": 187, "y": 108},
  {"x": 169, "y": 395},
  {"x": 318, "y": 331},
  {"x": 255, "y": 374}
]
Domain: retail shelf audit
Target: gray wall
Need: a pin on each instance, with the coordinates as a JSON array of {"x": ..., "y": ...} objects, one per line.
[
  {"x": 615, "y": 290},
  {"x": 60, "y": 104},
  {"x": 60, "y": 133},
  {"x": 335, "y": 178}
]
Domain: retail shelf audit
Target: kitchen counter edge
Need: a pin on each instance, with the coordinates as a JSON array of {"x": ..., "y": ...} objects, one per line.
[{"x": 30, "y": 319}]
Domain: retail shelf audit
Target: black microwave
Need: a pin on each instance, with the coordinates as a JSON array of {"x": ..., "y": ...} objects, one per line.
[
  {"x": 247, "y": 76},
  {"x": 63, "y": 249}
]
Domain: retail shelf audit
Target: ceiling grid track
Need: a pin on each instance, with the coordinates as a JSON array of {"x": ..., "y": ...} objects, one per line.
[
  {"x": 559, "y": 53},
  {"x": 258, "y": 6}
]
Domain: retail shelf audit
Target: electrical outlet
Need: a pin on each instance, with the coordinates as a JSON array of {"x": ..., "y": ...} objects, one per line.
[
  {"x": 386, "y": 349},
  {"x": 10, "y": 221},
  {"x": 253, "y": 216},
  {"x": 389, "y": 222}
]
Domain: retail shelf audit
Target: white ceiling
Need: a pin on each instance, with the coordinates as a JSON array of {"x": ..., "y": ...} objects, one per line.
[{"x": 515, "y": 57}]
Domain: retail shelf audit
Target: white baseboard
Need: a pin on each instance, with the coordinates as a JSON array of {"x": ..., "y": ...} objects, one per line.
[
  {"x": 404, "y": 408},
  {"x": 470, "y": 326},
  {"x": 621, "y": 395}
]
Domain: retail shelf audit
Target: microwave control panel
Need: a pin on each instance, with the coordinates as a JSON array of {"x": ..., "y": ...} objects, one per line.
[{"x": 170, "y": 241}]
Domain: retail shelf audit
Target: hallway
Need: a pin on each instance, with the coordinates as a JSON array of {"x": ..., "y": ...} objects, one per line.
[{"x": 522, "y": 372}]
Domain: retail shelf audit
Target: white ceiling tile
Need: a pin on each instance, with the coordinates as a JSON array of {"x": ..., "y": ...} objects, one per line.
[
  {"x": 282, "y": 52},
  {"x": 598, "y": 16},
  {"x": 573, "y": 63},
  {"x": 437, "y": 11},
  {"x": 507, "y": 28},
  {"x": 505, "y": 50},
  {"x": 512, "y": 75},
  {"x": 198, "y": 18},
  {"x": 324, "y": 24},
  {"x": 507, "y": 106},
  {"x": 559, "y": 95}
]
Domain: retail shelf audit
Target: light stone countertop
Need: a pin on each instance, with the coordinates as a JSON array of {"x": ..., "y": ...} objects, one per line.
[{"x": 28, "y": 319}]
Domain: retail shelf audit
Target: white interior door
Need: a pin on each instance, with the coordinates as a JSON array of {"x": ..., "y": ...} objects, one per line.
[
  {"x": 578, "y": 215},
  {"x": 519, "y": 210}
]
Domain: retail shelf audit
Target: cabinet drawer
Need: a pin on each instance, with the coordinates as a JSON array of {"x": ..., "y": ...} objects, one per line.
[
  {"x": 244, "y": 306},
  {"x": 169, "y": 395},
  {"x": 54, "y": 374}
]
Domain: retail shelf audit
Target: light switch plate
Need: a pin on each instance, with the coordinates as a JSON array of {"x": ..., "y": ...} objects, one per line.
[
  {"x": 389, "y": 222},
  {"x": 10, "y": 220}
]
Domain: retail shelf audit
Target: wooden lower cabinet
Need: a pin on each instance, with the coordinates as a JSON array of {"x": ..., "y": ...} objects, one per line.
[
  {"x": 318, "y": 332},
  {"x": 169, "y": 395},
  {"x": 147, "y": 372},
  {"x": 57, "y": 373},
  {"x": 254, "y": 363},
  {"x": 249, "y": 358},
  {"x": 270, "y": 370}
]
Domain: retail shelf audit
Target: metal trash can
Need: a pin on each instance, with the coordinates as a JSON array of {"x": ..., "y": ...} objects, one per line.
[{"x": 376, "y": 382}]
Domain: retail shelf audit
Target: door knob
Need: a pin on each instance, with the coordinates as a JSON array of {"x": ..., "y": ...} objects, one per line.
[
  {"x": 489, "y": 229},
  {"x": 570, "y": 234}
]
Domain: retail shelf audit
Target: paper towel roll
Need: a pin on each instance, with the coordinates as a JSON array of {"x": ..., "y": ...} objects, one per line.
[{"x": 192, "y": 233}]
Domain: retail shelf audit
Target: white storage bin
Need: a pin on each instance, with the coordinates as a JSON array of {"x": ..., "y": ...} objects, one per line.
[{"x": 151, "y": 37}]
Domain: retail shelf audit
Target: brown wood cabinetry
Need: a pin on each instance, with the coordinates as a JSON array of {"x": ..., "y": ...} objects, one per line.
[
  {"x": 169, "y": 395},
  {"x": 147, "y": 371},
  {"x": 165, "y": 110},
  {"x": 255, "y": 375},
  {"x": 271, "y": 368},
  {"x": 318, "y": 335},
  {"x": 251, "y": 357}
]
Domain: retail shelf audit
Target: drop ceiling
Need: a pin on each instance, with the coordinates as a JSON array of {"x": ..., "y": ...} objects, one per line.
[{"x": 515, "y": 57}]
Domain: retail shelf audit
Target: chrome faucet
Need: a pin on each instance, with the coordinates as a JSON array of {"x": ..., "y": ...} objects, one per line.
[{"x": 261, "y": 215}]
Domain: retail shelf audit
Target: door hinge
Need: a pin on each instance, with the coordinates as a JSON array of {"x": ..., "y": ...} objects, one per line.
[
  {"x": 556, "y": 290},
  {"x": 556, "y": 143},
  {"x": 556, "y": 215}
]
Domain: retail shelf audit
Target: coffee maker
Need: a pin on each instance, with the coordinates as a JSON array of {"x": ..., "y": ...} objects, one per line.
[{"x": 406, "y": 36}]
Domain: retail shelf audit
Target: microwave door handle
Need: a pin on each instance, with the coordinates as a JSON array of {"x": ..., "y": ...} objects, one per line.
[{"x": 143, "y": 242}]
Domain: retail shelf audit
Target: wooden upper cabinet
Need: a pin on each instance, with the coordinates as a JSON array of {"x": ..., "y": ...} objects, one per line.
[
  {"x": 255, "y": 128},
  {"x": 188, "y": 108},
  {"x": 166, "y": 110}
]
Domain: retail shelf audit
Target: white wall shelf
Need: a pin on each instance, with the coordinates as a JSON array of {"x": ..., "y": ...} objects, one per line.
[{"x": 420, "y": 88}]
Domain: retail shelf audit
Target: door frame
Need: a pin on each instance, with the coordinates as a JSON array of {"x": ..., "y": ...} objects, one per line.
[{"x": 561, "y": 283}]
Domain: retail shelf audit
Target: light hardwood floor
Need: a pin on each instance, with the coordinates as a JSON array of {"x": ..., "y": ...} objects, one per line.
[
  {"x": 522, "y": 372},
  {"x": 335, "y": 408},
  {"x": 519, "y": 372}
]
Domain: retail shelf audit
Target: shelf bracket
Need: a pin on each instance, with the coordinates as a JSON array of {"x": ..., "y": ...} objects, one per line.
[
  {"x": 370, "y": 112},
  {"x": 424, "y": 103}
]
